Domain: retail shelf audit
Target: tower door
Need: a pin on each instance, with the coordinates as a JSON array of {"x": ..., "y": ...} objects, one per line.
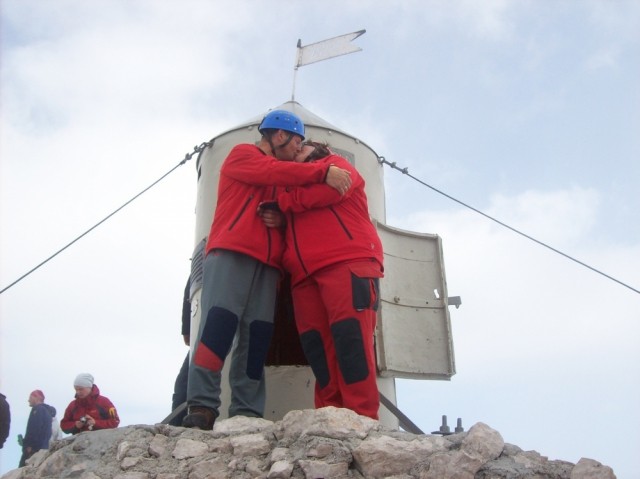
[{"x": 413, "y": 335}]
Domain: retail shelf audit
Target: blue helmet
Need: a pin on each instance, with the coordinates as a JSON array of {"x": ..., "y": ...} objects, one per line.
[{"x": 282, "y": 120}]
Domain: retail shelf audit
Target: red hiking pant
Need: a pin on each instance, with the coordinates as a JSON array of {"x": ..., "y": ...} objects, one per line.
[{"x": 335, "y": 311}]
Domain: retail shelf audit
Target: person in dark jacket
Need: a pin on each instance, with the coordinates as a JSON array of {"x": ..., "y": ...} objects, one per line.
[
  {"x": 180, "y": 386},
  {"x": 5, "y": 419},
  {"x": 38, "y": 427},
  {"x": 89, "y": 411}
]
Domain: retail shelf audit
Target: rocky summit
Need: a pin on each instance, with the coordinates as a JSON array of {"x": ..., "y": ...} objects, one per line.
[{"x": 310, "y": 444}]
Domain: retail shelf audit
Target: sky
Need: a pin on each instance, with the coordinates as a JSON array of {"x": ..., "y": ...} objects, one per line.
[{"x": 527, "y": 111}]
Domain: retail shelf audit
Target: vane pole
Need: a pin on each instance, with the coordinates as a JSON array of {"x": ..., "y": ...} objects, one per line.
[
  {"x": 293, "y": 90},
  {"x": 295, "y": 68}
]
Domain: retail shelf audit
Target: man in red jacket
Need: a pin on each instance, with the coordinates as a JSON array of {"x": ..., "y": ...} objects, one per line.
[
  {"x": 242, "y": 269},
  {"x": 335, "y": 258},
  {"x": 89, "y": 411}
]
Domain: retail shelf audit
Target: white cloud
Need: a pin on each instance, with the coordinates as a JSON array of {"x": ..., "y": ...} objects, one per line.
[
  {"x": 487, "y": 19},
  {"x": 515, "y": 291},
  {"x": 605, "y": 58},
  {"x": 93, "y": 74},
  {"x": 557, "y": 217}
]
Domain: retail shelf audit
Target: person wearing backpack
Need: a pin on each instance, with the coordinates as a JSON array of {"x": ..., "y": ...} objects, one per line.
[{"x": 38, "y": 431}]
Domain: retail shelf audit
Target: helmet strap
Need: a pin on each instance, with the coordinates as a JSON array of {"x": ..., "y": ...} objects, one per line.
[
  {"x": 289, "y": 138},
  {"x": 274, "y": 148}
]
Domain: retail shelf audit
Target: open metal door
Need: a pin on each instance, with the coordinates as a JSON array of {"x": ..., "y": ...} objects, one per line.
[{"x": 413, "y": 335}]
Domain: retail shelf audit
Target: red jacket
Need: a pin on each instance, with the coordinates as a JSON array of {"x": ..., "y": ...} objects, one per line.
[
  {"x": 94, "y": 405},
  {"x": 324, "y": 228},
  {"x": 247, "y": 178}
]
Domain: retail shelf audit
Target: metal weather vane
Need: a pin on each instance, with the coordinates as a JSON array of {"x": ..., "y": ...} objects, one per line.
[{"x": 323, "y": 50}]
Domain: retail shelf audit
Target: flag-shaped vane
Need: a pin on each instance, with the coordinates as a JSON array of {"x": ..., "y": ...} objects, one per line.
[
  {"x": 333, "y": 47},
  {"x": 316, "y": 52}
]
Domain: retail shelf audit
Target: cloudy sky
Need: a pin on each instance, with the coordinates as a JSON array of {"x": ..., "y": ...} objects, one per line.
[{"x": 528, "y": 111}]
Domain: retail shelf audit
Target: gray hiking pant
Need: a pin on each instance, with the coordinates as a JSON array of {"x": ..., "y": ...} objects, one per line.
[{"x": 237, "y": 309}]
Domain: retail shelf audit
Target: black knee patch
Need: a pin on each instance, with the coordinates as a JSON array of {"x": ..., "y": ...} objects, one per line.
[
  {"x": 352, "y": 360},
  {"x": 361, "y": 293},
  {"x": 313, "y": 348},
  {"x": 219, "y": 330},
  {"x": 260, "y": 333}
]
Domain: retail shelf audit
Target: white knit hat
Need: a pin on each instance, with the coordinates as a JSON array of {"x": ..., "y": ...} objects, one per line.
[{"x": 83, "y": 380}]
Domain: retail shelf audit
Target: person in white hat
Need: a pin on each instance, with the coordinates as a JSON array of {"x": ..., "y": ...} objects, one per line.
[{"x": 89, "y": 410}]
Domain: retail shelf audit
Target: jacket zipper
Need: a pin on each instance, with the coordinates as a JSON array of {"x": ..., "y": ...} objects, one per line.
[
  {"x": 295, "y": 242},
  {"x": 274, "y": 190},
  {"x": 344, "y": 227},
  {"x": 268, "y": 245},
  {"x": 241, "y": 212},
  {"x": 295, "y": 238}
]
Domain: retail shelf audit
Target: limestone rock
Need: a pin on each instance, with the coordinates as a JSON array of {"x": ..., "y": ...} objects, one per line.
[
  {"x": 250, "y": 445},
  {"x": 242, "y": 425},
  {"x": 280, "y": 470},
  {"x": 158, "y": 446},
  {"x": 189, "y": 448},
  {"x": 326, "y": 443},
  {"x": 590, "y": 469},
  {"x": 327, "y": 422},
  {"x": 385, "y": 456}
]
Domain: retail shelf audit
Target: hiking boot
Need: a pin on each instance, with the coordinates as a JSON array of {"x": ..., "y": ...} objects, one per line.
[{"x": 199, "y": 418}]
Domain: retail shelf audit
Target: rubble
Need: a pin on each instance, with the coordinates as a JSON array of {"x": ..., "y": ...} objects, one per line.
[{"x": 310, "y": 444}]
